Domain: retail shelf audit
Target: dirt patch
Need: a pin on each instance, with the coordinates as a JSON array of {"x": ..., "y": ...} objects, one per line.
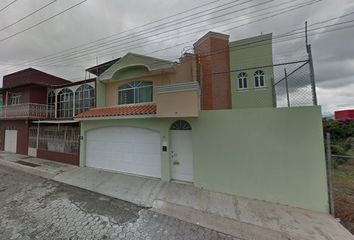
[{"x": 344, "y": 194}]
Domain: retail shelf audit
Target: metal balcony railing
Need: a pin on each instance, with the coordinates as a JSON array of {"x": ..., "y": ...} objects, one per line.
[{"x": 26, "y": 110}]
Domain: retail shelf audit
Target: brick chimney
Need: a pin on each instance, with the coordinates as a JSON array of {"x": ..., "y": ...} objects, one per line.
[{"x": 213, "y": 64}]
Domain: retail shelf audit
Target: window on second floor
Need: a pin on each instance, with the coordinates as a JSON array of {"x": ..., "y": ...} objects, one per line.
[
  {"x": 15, "y": 99},
  {"x": 135, "y": 92},
  {"x": 65, "y": 103},
  {"x": 51, "y": 104},
  {"x": 259, "y": 79},
  {"x": 84, "y": 98},
  {"x": 242, "y": 80}
]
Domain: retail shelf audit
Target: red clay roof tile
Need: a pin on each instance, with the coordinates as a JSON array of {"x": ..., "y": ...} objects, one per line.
[{"x": 119, "y": 111}]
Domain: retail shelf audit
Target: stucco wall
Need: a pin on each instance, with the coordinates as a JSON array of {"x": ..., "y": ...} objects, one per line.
[
  {"x": 270, "y": 154},
  {"x": 246, "y": 54},
  {"x": 177, "y": 104},
  {"x": 107, "y": 91}
]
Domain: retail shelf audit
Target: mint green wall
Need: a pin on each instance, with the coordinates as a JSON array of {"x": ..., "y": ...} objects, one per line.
[
  {"x": 269, "y": 154},
  {"x": 131, "y": 72},
  {"x": 250, "y": 53},
  {"x": 100, "y": 94},
  {"x": 135, "y": 60}
]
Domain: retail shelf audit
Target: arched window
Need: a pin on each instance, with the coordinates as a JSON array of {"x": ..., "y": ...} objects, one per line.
[
  {"x": 259, "y": 79},
  {"x": 242, "y": 80},
  {"x": 51, "y": 104},
  {"x": 180, "y": 125},
  {"x": 84, "y": 98},
  {"x": 65, "y": 103},
  {"x": 135, "y": 92}
]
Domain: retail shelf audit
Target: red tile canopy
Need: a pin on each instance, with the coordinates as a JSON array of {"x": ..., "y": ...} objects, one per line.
[{"x": 147, "y": 109}]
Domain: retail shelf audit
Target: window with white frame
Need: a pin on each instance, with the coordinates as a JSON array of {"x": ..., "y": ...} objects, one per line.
[
  {"x": 259, "y": 79},
  {"x": 51, "y": 104},
  {"x": 65, "y": 103},
  {"x": 15, "y": 99},
  {"x": 84, "y": 98},
  {"x": 242, "y": 80},
  {"x": 135, "y": 92}
]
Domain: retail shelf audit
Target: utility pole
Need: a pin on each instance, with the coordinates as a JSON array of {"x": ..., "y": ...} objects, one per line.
[{"x": 312, "y": 71}]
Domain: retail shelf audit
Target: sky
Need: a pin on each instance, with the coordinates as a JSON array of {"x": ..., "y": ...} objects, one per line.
[{"x": 47, "y": 46}]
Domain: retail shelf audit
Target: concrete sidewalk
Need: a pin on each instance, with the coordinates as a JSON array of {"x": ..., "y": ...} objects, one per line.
[{"x": 240, "y": 217}]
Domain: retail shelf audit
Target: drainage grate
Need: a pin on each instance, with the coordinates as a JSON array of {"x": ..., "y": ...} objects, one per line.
[{"x": 27, "y": 163}]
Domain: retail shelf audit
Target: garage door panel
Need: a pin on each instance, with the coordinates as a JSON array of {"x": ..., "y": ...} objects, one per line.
[{"x": 124, "y": 149}]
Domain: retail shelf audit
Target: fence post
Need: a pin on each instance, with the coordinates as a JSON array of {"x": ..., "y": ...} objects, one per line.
[
  {"x": 312, "y": 71},
  {"x": 329, "y": 174},
  {"x": 274, "y": 94},
  {"x": 287, "y": 87},
  {"x": 312, "y": 76}
]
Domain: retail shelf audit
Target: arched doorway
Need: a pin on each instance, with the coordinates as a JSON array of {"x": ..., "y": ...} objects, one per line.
[{"x": 181, "y": 151}]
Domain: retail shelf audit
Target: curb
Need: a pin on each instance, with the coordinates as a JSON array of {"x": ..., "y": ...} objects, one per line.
[{"x": 224, "y": 225}]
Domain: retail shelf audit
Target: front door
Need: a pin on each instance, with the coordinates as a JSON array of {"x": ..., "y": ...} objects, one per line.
[
  {"x": 181, "y": 155},
  {"x": 11, "y": 141}
]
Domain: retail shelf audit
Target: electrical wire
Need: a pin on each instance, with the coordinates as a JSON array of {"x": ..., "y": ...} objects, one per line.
[
  {"x": 193, "y": 33},
  {"x": 27, "y": 16},
  {"x": 41, "y": 22},
  {"x": 8, "y": 5}
]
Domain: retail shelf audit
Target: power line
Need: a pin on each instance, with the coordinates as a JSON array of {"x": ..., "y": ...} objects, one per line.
[
  {"x": 291, "y": 8},
  {"x": 324, "y": 21},
  {"x": 8, "y": 5},
  {"x": 27, "y": 16},
  {"x": 256, "y": 20},
  {"x": 153, "y": 34},
  {"x": 291, "y": 39},
  {"x": 56, "y": 59},
  {"x": 134, "y": 28},
  {"x": 41, "y": 22},
  {"x": 140, "y": 33},
  {"x": 312, "y": 34}
]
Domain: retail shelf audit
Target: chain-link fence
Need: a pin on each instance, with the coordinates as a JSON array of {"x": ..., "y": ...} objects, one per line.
[
  {"x": 293, "y": 84},
  {"x": 284, "y": 84},
  {"x": 340, "y": 176}
]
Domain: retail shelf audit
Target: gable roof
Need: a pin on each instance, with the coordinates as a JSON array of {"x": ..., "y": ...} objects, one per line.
[
  {"x": 101, "y": 68},
  {"x": 31, "y": 76},
  {"x": 132, "y": 60}
]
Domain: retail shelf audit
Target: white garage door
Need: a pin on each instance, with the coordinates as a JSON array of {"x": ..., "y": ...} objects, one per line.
[{"x": 124, "y": 149}]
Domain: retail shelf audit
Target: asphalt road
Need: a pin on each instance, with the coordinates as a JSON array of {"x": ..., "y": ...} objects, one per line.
[{"x": 36, "y": 208}]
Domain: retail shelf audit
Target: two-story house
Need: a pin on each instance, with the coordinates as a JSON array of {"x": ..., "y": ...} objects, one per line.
[
  {"x": 37, "y": 117},
  {"x": 25, "y": 100},
  {"x": 145, "y": 102},
  {"x": 209, "y": 119}
]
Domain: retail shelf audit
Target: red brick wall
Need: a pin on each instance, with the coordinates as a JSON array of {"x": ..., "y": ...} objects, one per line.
[
  {"x": 214, "y": 57},
  {"x": 59, "y": 157},
  {"x": 22, "y": 135}
]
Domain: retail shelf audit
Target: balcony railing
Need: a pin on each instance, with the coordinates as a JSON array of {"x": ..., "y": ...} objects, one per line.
[{"x": 26, "y": 110}]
